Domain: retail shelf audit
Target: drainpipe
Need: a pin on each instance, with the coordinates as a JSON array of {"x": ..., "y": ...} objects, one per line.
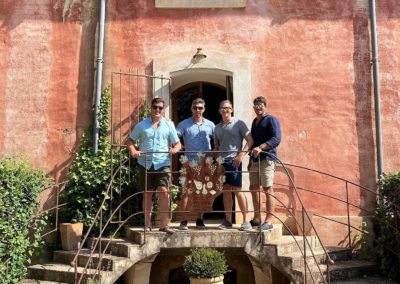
[
  {"x": 375, "y": 66},
  {"x": 99, "y": 74}
]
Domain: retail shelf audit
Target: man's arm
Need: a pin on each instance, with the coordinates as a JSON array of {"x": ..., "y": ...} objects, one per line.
[
  {"x": 239, "y": 157},
  {"x": 175, "y": 148},
  {"x": 132, "y": 149},
  {"x": 275, "y": 140}
]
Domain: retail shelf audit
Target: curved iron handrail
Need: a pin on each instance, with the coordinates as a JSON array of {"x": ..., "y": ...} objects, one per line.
[
  {"x": 295, "y": 188},
  {"x": 99, "y": 213}
]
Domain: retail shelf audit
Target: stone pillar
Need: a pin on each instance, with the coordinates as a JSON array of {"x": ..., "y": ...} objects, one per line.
[
  {"x": 262, "y": 274},
  {"x": 140, "y": 272}
]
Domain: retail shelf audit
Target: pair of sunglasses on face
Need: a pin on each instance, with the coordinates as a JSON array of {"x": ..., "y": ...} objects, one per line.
[{"x": 157, "y": 107}]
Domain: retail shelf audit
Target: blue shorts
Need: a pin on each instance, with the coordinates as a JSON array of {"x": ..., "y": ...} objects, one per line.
[{"x": 233, "y": 176}]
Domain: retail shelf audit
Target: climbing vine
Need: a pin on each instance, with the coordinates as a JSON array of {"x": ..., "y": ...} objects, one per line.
[{"x": 90, "y": 174}]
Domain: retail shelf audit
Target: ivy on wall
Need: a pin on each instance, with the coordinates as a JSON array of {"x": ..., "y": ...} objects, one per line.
[
  {"x": 388, "y": 226},
  {"x": 90, "y": 174},
  {"x": 20, "y": 187}
]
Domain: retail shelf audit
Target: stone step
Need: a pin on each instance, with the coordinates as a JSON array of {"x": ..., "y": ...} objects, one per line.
[
  {"x": 351, "y": 269},
  {"x": 108, "y": 262},
  {"x": 117, "y": 247},
  {"x": 339, "y": 253},
  {"x": 65, "y": 273},
  {"x": 365, "y": 280},
  {"x": 287, "y": 245},
  {"x": 296, "y": 260},
  {"x": 342, "y": 270}
]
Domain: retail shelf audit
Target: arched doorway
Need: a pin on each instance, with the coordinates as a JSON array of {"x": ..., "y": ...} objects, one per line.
[{"x": 213, "y": 94}]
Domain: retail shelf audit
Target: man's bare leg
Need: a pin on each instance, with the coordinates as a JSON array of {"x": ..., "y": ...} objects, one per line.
[
  {"x": 228, "y": 202},
  {"x": 255, "y": 196},
  {"x": 163, "y": 195},
  {"x": 270, "y": 204},
  {"x": 242, "y": 201},
  {"x": 148, "y": 207}
]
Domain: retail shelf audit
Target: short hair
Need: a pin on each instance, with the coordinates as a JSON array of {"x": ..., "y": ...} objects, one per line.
[
  {"x": 260, "y": 99},
  {"x": 157, "y": 100},
  {"x": 226, "y": 101},
  {"x": 198, "y": 101}
]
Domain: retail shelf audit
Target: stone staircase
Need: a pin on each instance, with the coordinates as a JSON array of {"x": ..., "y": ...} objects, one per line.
[{"x": 271, "y": 247}]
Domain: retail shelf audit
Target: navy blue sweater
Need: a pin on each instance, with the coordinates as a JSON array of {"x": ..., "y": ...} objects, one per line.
[{"x": 268, "y": 131}]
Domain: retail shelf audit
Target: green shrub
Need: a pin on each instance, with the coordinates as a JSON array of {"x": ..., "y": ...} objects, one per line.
[
  {"x": 20, "y": 187},
  {"x": 205, "y": 263},
  {"x": 388, "y": 225},
  {"x": 90, "y": 174}
]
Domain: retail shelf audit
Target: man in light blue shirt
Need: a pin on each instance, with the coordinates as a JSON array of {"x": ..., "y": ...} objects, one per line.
[
  {"x": 197, "y": 133},
  {"x": 157, "y": 140}
]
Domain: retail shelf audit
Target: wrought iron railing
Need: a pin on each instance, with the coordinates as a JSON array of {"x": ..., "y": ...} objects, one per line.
[
  {"x": 304, "y": 250},
  {"x": 97, "y": 245}
]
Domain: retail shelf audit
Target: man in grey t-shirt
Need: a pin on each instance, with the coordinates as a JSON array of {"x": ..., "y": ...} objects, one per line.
[{"x": 228, "y": 138}]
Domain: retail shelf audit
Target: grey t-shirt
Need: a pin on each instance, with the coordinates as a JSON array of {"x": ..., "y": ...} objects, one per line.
[{"x": 230, "y": 137}]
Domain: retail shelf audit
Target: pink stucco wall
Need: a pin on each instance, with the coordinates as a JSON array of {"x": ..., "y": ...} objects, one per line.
[{"x": 311, "y": 59}]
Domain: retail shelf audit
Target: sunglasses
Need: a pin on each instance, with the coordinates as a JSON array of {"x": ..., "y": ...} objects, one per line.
[
  {"x": 225, "y": 108},
  {"x": 157, "y": 107},
  {"x": 198, "y": 108}
]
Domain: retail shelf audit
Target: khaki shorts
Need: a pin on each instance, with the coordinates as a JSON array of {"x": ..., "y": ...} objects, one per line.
[
  {"x": 160, "y": 177},
  {"x": 267, "y": 173}
]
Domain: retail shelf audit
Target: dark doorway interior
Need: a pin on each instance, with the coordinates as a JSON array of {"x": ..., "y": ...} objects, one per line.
[{"x": 212, "y": 94}]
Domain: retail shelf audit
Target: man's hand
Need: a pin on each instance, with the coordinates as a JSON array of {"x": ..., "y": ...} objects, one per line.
[
  {"x": 237, "y": 160},
  {"x": 256, "y": 151},
  {"x": 173, "y": 150},
  {"x": 134, "y": 153}
]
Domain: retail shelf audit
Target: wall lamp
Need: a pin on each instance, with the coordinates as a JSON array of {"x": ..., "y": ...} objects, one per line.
[{"x": 199, "y": 55}]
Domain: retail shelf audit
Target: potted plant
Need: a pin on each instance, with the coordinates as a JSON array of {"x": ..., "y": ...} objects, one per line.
[
  {"x": 71, "y": 234},
  {"x": 205, "y": 265}
]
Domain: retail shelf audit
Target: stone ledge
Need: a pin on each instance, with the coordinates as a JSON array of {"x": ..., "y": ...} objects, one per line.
[{"x": 199, "y": 238}]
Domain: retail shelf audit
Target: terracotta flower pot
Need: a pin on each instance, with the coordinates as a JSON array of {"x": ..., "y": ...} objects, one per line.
[
  {"x": 214, "y": 280},
  {"x": 307, "y": 224},
  {"x": 71, "y": 234}
]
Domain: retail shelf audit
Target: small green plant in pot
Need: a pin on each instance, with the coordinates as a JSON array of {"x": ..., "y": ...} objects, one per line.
[{"x": 205, "y": 265}]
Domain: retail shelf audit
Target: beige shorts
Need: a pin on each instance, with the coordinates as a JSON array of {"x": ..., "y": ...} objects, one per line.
[{"x": 267, "y": 173}]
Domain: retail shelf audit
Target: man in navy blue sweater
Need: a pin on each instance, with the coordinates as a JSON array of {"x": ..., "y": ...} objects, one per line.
[{"x": 266, "y": 133}]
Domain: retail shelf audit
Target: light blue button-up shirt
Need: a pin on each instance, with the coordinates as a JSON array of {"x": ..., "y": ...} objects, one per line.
[
  {"x": 157, "y": 140},
  {"x": 196, "y": 137}
]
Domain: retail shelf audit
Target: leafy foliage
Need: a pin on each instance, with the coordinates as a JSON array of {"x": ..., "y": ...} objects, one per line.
[
  {"x": 20, "y": 187},
  {"x": 388, "y": 225},
  {"x": 205, "y": 263},
  {"x": 90, "y": 174},
  {"x": 362, "y": 244}
]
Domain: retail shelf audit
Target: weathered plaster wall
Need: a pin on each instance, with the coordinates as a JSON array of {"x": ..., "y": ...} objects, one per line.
[
  {"x": 47, "y": 49},
  {"x": 311, "y": 59}
]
